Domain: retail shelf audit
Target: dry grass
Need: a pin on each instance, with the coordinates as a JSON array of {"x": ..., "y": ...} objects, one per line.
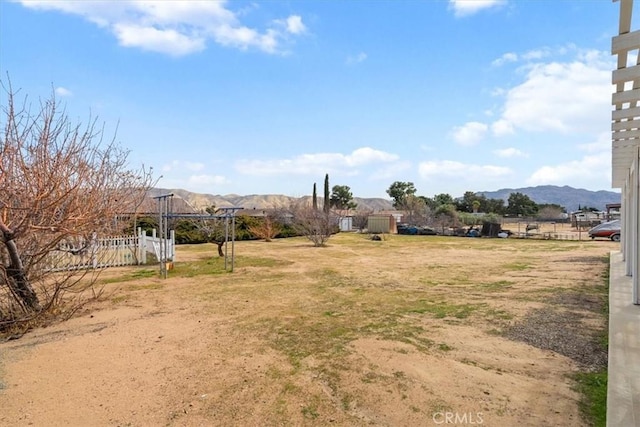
[{"x": 384, "y": 332}]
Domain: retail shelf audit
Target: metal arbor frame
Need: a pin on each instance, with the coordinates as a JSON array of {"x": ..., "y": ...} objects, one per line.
[{"x": 165, "y": 213}]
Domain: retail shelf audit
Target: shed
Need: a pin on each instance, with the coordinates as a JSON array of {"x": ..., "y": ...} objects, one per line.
[
  {"x": 613, "y": 211},
  {"x": 587, "y": 219},
  {"x": 381, "y": 224},
  {"x": 346, "y": 223}
]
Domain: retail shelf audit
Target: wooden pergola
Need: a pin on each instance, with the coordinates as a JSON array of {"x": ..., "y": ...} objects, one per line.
[{"x": 626, "y": 139}]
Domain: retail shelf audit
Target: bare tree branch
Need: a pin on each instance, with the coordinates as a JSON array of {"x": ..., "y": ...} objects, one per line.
[
  {"x": 59, "y": 182},
  {"x": 317, "y": 226}
]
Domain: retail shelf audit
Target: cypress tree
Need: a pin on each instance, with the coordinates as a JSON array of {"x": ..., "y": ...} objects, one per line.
[
  {"x": 326, "y": 194},
  {"x": 315, "y": 197}
]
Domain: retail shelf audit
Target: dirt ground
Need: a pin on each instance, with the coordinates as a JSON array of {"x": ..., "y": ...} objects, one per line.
[{"x": 409, "y": 331}]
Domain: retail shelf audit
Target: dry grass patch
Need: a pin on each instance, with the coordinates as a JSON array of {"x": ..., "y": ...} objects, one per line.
[{"x": 384, "y": 332}]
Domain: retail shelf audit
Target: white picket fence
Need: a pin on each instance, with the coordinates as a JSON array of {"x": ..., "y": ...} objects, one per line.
[{"x": 111, "y": 252}]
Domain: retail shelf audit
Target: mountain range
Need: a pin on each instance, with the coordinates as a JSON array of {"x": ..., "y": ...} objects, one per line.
[
  {"x": 569, "y": 197},
  {"x": 187, "y": 201}
]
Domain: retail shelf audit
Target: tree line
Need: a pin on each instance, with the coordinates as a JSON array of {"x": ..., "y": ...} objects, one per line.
[
  {"x": 418, "y": 208},
  {"x": 319, "y": 221}
]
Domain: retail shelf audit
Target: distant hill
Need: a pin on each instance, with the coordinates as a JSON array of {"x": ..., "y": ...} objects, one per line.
[
  {"x": 199, "y": 202},
  {"x": 569, "y": 197}
]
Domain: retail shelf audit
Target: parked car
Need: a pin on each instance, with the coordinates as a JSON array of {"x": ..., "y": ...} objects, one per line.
[{"x": 609, "y": 229}]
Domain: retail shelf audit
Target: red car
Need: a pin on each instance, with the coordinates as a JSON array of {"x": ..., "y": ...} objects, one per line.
[{"x": 610, "y": 230}]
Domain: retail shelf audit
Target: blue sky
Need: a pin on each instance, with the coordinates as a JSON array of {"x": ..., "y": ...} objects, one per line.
[{"x": 243, "y": 97}]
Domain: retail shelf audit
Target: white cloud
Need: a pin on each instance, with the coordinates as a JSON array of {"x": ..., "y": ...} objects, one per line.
[
  {"x": 356, "y": 59},
  {"x": 244, "y": 38},
  {"x": 469, "y": 7},
  {"x": 317, "y": 163},
  {"x": 502, "y": 127},
  {"x": 177, "y": 27},
  {"x": 177, "y": 165},
  {"x": 537, "y": 54},
  {"x": 534, "y": 55},
  {"x": 169, "y": 42},
  {"x": 561, "y": 97},
  {"x": 449, "y": 169},
  {"x": 200, "y": 180},
  {"x": 593, "y": 170},
  {"x": 387, "y": 171},
  {"x": 601, "y": 144},
  {"x": 295, "y": 25},
  {"x": 366, "y": 155},
  {"x": 194, "y": 166},
  {"x": 507, "y": 57},
  {"x": 510, "y": 152},
  {"x": 470, "y": 133},
  {"x": 63, "y": 91}
]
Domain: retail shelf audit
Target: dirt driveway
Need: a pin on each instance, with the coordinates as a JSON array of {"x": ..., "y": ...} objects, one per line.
[{"x": 408, "y": 331}]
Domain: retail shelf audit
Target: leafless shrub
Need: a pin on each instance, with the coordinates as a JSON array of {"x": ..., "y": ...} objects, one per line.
[
  {"x": 266, "y": 228},
  {"x": 361, "y": 219},
  {"x": 214, "y": 229},
  {"x": 316, "y": 225}
]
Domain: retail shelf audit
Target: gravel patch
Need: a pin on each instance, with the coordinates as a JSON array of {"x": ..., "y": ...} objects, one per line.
[
  {"x": 562, "y": 331},
  {"x": 580, "y": 301}
]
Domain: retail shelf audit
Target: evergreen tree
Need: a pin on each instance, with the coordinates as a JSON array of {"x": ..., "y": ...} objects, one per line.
[
  {"x": 315, "y": 198},
  {"x": 342, "y": 198},
  {"x": 399, "y": 191},
  {"x": 521, "y": 205},
  {"x": 327, "y": 203}
]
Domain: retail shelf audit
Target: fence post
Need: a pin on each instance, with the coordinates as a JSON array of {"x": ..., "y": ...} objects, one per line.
[
  {"x": 143, "y": 247},
  {"x": 172, "y": 243},
  {"x": 94, "y": 250},
  {"x": 138, "y": 245}
]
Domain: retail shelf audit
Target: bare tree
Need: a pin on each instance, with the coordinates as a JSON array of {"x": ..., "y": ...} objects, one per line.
[
  {"x": 214, "y": 229},
  {"x": 550, "y": 212},
  {"x": 61, "y": 186},
  {"x": 415, "y": 210},
  {"x": 361, "y": 219},
  {"x": 315, "y": 225},
  {"x": 267, "y": 227}
]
